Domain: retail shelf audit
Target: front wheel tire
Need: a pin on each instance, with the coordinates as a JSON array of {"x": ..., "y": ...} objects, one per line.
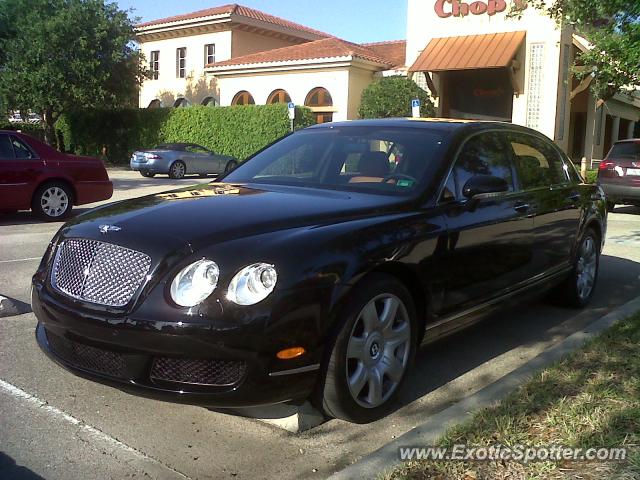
[{"x": 371, "y": 353}]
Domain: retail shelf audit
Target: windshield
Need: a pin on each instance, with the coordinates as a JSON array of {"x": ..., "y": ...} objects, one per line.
[{"x": 373, "y": 159}]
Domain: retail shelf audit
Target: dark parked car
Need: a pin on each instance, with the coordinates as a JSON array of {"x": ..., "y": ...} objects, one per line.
[
  {"x": 34, "y": 176},
  {"x": 619, "y": 174},
  {"x": 180, "y": 159},
  {"x": 317, "y": 268}
]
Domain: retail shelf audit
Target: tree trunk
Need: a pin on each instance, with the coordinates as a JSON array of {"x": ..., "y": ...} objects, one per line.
[{"x": 49, "y": 127}]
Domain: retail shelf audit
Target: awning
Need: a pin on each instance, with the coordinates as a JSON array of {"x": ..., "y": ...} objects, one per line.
[{"x": 470, "y": 52}]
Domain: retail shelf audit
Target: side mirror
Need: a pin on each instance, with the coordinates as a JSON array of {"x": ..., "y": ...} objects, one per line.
[{"x": 483, "y": 184}]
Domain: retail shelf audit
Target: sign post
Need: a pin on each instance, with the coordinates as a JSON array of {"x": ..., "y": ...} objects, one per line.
[
  {"x": 292, "y": 114},
  {"x": 415, "y": 108}
]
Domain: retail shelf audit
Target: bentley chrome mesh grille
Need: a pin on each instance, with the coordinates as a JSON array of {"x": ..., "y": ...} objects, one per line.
[{"x": 98, "y": 272}]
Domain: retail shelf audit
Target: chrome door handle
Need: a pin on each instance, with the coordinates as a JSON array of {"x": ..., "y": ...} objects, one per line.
[{"x": 522, "y": 207}]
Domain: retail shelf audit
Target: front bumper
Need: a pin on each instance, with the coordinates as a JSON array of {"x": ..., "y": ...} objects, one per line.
[{"x": 124, "y": 352}]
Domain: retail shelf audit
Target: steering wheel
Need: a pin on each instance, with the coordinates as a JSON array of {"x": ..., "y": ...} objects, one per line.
[{"x": 399, "y": 176}]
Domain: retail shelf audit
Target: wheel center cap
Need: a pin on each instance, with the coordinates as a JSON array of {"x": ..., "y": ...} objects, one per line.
[{"x": 374, "y": 350}]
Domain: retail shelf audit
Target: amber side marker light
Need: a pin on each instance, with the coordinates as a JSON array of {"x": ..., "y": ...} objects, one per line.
[{"x": 291, "y": 353}]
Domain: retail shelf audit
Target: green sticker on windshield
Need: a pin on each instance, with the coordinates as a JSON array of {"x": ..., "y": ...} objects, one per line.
[{"x": 405, "y": 183}]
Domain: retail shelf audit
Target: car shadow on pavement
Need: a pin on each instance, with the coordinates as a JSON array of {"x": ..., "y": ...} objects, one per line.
[
  {"x": 29, "y": 218},
  {"x": 628, "y": 209},
  {"x": 9, "y": 470}
]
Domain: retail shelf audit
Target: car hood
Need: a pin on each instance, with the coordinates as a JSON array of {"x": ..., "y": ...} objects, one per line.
[{"x": 208, "y": 214}]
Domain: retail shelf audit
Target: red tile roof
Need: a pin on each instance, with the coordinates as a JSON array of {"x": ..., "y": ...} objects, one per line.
[
  {"x": 395, "y": 51},
  {"x": 325, "y": 48},
  {"x": 239, "y": 11}
]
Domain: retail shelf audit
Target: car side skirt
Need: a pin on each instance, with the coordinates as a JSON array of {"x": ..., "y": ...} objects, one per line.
[{"x": 459, "y": 321}]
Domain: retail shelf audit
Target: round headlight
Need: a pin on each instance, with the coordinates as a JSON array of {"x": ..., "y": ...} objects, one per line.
[
  {"x": 252, "y": 284},
  {"x": 195, "y": 283}
]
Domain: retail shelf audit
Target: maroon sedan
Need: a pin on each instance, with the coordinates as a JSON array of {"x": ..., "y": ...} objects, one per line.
[{"x": 35, "y": 176}]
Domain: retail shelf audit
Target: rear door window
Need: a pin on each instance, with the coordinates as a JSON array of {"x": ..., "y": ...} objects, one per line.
[
  {"x": 6, "y": 150},
  {"x": 20, "y": 149},
  {"x": 538, "y": 164}
]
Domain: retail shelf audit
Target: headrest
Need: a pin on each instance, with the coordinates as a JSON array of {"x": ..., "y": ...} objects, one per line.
[{"x": 374, "y": 164}]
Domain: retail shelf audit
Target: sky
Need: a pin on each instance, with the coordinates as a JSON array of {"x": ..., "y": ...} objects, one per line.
[{"x": 354, "y": 20}]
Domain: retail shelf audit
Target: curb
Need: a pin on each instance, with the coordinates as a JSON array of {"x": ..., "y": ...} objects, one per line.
[{"x": 385, "y": 459}]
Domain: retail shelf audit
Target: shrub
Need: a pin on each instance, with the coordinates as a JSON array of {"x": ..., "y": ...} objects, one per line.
[
  {"x": 34, "y": 130},
  {"x": 237, "y": 131},
  {"x": 592, "y": 176},
  {"x": 391, "y": 97}
]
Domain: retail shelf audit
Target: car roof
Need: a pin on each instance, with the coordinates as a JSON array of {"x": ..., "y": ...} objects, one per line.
[
  {"x": 442, "y": 124},
  {"x": 178, "y": 145}
]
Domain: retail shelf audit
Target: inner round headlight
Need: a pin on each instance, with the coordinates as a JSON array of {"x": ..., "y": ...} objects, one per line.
[
  {"x": 194, "y": 283},
  {"x": 252, "y": 284}
]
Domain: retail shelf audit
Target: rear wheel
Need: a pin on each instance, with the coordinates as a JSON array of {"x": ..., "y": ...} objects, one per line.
[
  {"x": 53, "y": 201},
  {"x": 579, "y": 287},
  {"x": 371, "y": 353},
  {"x": 177, "y": 170}
]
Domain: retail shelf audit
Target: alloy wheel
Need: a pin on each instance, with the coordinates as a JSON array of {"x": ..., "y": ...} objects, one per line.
[
  {"x": 178, "y": 170},
  {"x": 378, "y": 351},
  {"x": 586, "y": 268},
  {"x": 54, "y": 202}
]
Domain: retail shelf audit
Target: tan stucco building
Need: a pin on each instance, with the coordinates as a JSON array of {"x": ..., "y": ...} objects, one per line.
[
  {"x": 475, "y": 59},
  {"x": 482, "y": 62}
]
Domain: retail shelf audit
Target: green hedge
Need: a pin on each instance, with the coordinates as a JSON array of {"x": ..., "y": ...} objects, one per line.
[
  {"x": 237, "y": 131},
  {"x": 34, "y": 130}
]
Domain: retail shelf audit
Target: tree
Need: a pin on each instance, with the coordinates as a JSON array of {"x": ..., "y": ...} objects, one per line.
[
  {"x": 60, "y": 55},
  {"x": 391, "y": 97},
  {"x": 613, "y": 28},
  {"x": 195, "y": 92}
]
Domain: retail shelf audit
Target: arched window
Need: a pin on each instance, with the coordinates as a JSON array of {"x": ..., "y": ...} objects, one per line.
[
  {"x": 243, "y": 98},
  {"x": 278, "y": 96},
  {"x": 320, "y": 101},
  {"x": 155, "y": 104},
  {"x": 210, "y": 102},
  {"x": 181, "y": 103}
]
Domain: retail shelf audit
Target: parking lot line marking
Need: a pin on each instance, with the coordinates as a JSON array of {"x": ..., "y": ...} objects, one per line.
[
  {"x": 21, "y": 260},
  {"x": 91, "y": 431}
]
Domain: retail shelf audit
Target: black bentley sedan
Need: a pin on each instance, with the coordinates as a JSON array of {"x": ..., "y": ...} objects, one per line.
[{"x": 319, "y": 266}]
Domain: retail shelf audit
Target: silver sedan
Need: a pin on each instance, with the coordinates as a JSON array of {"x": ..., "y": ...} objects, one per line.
[{"x": 180, "y": 159}]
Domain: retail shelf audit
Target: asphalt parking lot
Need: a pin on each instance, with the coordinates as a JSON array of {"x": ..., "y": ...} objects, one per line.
[{"x": 54, "y": 425}]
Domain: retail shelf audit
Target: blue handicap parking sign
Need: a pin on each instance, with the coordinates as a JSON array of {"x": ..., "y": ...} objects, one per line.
[
  {"x": 292, "y": 105},
  {"x": 415, "y": 103}
]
